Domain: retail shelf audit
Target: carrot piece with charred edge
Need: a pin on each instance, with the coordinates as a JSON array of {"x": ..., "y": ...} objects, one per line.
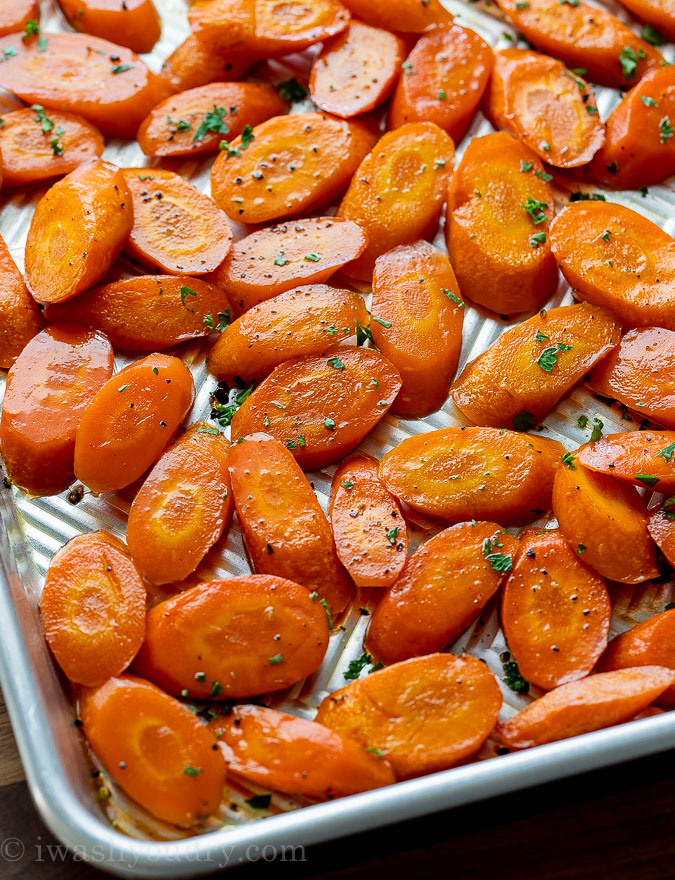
[
  {"x": 134, "y": 24},
  {"x": 423, "y": 715},
  {"x": 370, "y": 533},
  {"x": 417, "y": 324},
  {"x": 533, "y": 364},
  {"x": 77, "y": 229},
  {"x": 130, "y": 422},
  {"x": 357, "y": 70},
  {"x": 407, "y": 16},
  {"x": 499, "y": 207},
  {"x": 296, "y": 756},
  {"x": 93, "y": 608},
  {"x": 644, "y": 458},
  {"x": 616, "y": 258},
  {"x": 322, "y": 152},
  {"x": 661, "y": 527},
  {"x": 183, "y": 506},
  {"x": 608, "y": 518},
  {"x": 285, "y": 530},
  {"x": 592, "y": 703},
  {"x": 15, "y": 15},
  {"x": 455, "y": 474},
  {"x": 321, "y": 407},
  {"x": 658, "y": 13},
  {"x": 443, "y": 80},
  {"x": 155, "y": 748},
  {"x": 148, "y": 312},
  {"x": 48, "y": 388},
  {"x": 299, "y": 322},
  {"x": 539, "y": 101},
  {"x": 444, "y": 587},
  {"x": 397, "y": 192},
  {"x": 193, "y": 64},
  {"x": 234, "y": 638},
  {"x": 20, "y": 318}
]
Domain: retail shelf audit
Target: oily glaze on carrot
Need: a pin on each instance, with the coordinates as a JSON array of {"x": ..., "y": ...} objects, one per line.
[
  {"x": 645, "y": 458},
  {"x": 193, "y": 64},
  {"x": 134, "y": 23},
  {"x": 661, "y": 527},
  {"x": 224, "y": 25},
  {"x": 407, "y": 16},
  {"x": 93, "y": 608},
  {"x": 659, "y": 13},
  {"x": 20, "y": 318},
  {"x": 15, "y": 15}
]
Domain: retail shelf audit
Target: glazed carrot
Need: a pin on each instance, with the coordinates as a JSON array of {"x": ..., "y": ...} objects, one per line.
[
  {"x": 193, "y": 64},
  {"x": 15, "y": 15},
  {"x": 659, "y": 14},
  {"x": 200, "y": 120},
  {"x": 93, "y": 608},
  {"x": 639, "y": 373},
  {"x": 616, "y": 258},
  {"x": 148, "y": 312},
  {"x": 134, "y": 23},
  {"x": 582, "y": 706},
  {"x": 407, "y": 16},
  {"x": 545, "y": 105},
  {"x": 645, "y": 458},
  {"x": 78, "y": 228},
  {"x": 130, "y": 422},
  {"x": 224, "y": 25},
  {"x": 443, "y": 80},
  {"x": 500, "y": 204},
  {"x": 397, "y": 192},
  {"x": 285, "y": 531},
  {"x": 296, "y": 756},
  {"x": 234, "y": 638},
  {"x": 555, "y": 610},
  {"x": 155, "y": 748},
  {"x": 661, "y": 527},
  {"x": 48, "y": 388},
  {"x": 304, "y": 321},
  {"x": 443, "y": 588},
  {"x": 417, "y": 324},
  {"x": 321, "y": 154},
  {"x": 606, "y": 517},
  {"x": 422, "y": 715},
  {"x": 368, "y": 527},
  {"x": 357, "y": 70},
  {"x": 20, "y": 318},
  {"x": 533, "y": 364},
  {"x": 177, "y": 229},
  {"x": 465, "y": 473},
  {"x": 321, "y": 406}
]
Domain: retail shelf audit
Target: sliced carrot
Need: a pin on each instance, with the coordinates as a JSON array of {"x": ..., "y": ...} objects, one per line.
[
  {"x": 130, "y": 422},
  {"x": 93, "y": 608},
  {"x": 224, "y": 25},
  {"x": 48, "y": 388},
  {"x": 407, "y": 16},
  {"x": 285, "y": 530},
  {"x": 444, "y": 587},
  {"x": 661, "y": 527},
  {"x": 134, "y": 23},
  {"x": 659, "y": 13},
  {"x": 155, "y": 748},
  {"x": 238, "y": 637},
  {"x": 465, "y": 473},
  {"x": 20, "y": 318},
  {"x": 193, "y": 64},
  {"x": 299, "y": 322},
  {"x": 77, "y": 229},
  {"x": 296, "y": 756},
  {"x": 645, "y": 458},
  {"x": 533, "y": 364},
  {"x": 417, "y": 324},
  {"x": 321, "y": 407},
  {"x": 15, "y": 15},
  {"x": 422, "y": 715}
]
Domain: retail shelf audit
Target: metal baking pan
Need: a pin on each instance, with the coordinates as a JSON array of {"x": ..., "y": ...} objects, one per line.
[{"x": 88, "y": 812}]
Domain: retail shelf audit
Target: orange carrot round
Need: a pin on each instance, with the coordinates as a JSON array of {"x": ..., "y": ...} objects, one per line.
[
  {"x": 407, "y": 16},
  {"x": 20, "y": 318},
  {"x": 644, "y": 458},
  {"x": 224, "y": 25},
  {"x": 193, "y": 64},
  {"x": 661, "y": 527},
  {"x": 659, "y": 13},
  {"x": 134, "y": 23},
  {"x": 15, "y": 15}
]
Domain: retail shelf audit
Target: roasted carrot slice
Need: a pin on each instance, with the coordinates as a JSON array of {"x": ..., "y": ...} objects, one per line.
[
  {"x": 422, "y": 715},
  {"x": 20, "y": 318},
  {"x": 305, "y": 321},
  {"x": 608, "y": 519},
  {"x": 134, "y": 23},
  {"x": 552, "y": 110},
  {"x": 582, "y": 706},
  {"x": 285, "y": 531},
  {"x": 193, "y": 64},
  {"x": 48, "y": 388},
  {"x": 155, "y": 748},
  {"x": 317, "y": 156},
  {"x": 77, "y": 229},
  {"x": 234, "y": 638},
  {"x": 15, "y": 15},
  {"x": 367, "y": 522},
  {"x": 659, "y": 14},
  {"x": 443, "y": 80},
  {"x": 465, "y": 473},
  {"x": 555, "y": 610},
  {"x": 321, "y": 407},
  {"x": 131, "y": 420},
  {"x": 296, "y": 756},
  {"x": 616, "y": 258},
  {"x": 407, "y": 16},
  {"x": 533, "y": 364},
  {"x": 443, "y": 588},
  {"x": 224, "y": 25},
  {"x": 417, "y": 324},
  {"x": 645, "y": 458},
  {"x": 661, "y": 527},
  {"x": 357, "y": 70},
  {"x": 397, "y": 192},
  {"x": 93, "y": 608},
  {"x": 500, "y": 204}
]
